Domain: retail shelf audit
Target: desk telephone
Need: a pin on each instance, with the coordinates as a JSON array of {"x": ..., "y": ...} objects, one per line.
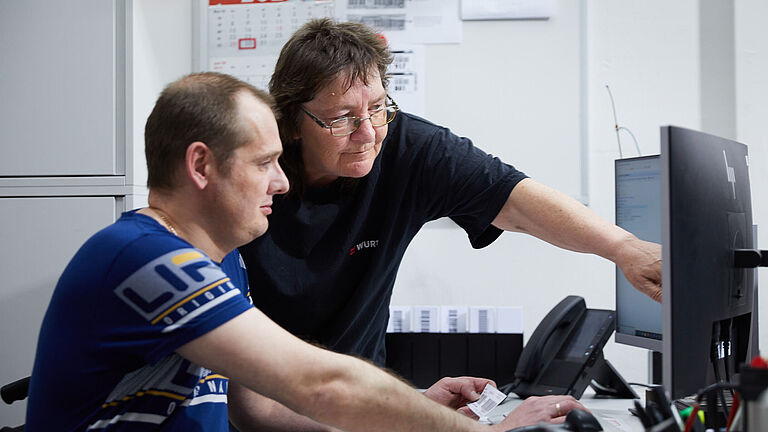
[{"x": 565, "y": 354}]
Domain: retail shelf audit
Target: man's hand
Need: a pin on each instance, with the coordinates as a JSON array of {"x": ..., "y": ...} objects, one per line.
[
  {"x": 534, "y": 410},
  {"x": 456, "y": 393},
  {"x": 640, "y": 261}
]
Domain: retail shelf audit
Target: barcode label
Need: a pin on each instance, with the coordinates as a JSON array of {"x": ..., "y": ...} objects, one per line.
[
  {"x": 487, "y": 405},
  {"x": 424, "y": 320},
  {"x": 490, "y": 399},
  {"x": 403, "y": 83},
  {"x": 482, "y": 321},
  {"x": 376, "y": 4},
  {"x": 397, "y": 321},
  {"x": 380, "y": 22},
  {"x": 400, "y": 63},
  {"x": 453, "y": 321}
]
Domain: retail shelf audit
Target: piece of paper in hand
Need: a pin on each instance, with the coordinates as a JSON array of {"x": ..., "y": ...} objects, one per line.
[{"x": 490, "y": 399}]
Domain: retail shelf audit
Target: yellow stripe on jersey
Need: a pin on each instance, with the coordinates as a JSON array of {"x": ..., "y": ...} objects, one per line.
[
  {"x": 187, "y": 256},
  {"x": 189, "y": 297},
  {"x": 212, "y": 376},
  {"x": 166, "y": 394},
  {"x": 149, "y": 392}
]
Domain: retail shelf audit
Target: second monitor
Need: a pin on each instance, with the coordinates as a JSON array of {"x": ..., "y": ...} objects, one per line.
[{"x": 695, "y": 200}]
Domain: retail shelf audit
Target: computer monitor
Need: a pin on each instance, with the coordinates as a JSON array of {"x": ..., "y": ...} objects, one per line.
[
  {"x": 706, "y": 215},
  {"x": 638, "y": 210},
  {"x": 699, "y": 188}
]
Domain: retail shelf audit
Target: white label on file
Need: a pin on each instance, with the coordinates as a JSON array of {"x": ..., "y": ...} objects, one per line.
[
  {"x": 481, "y": 319},
  {"x": 397, "y": 322},
  {"x": 399, "y": 319},
  {"x": 453, "y": 319},
  {"x": 425, "y": 319},
  {"x": 509, "y": 320}
]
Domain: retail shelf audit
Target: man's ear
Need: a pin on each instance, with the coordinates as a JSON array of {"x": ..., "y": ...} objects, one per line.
[{"x": 199, "y": 164}]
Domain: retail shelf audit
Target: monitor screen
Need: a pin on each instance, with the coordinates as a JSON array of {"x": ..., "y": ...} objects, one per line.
[
  {"x": 638, "y": 210},
  {"x": 706, "y": 214}
]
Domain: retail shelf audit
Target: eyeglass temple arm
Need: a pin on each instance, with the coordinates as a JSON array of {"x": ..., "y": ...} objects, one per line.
[{"x": 315, "y": 119}]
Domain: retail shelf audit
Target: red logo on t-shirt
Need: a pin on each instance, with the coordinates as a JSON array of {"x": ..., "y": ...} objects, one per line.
[{"x": 368, "y": 244}]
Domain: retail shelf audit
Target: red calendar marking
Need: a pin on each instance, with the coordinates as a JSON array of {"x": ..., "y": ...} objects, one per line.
[
  {"x": 246, "y": 43},
  {"x": 243, "y": 2}
]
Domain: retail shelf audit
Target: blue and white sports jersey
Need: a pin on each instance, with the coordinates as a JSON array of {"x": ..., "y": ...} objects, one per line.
[{"x": 106, "y": 359}]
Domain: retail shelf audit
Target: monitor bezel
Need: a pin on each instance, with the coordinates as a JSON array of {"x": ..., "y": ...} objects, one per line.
[{"x": 673, "y": 360}]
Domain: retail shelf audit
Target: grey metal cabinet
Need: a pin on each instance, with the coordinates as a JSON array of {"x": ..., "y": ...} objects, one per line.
[
  {"x": 63, "y": 153},
  {"x": 62, "y": 87}
]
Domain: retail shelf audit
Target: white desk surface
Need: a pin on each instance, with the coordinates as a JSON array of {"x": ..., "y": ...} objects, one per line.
[{"x": 612, "y": 414}]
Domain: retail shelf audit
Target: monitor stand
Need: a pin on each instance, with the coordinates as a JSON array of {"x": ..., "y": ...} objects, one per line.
[
  {"x": 654, "y": 368},
  {"x": 606, "y": 380}
]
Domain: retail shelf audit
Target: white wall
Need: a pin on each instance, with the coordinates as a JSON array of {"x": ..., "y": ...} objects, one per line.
[
  {"x": 514, "y": 88},
  {"x": 161, "y": 53},
  {"x": 751, "y": 114}
]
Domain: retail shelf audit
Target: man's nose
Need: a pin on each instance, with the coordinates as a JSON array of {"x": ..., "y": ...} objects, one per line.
[{"x": 279, "y": 184}]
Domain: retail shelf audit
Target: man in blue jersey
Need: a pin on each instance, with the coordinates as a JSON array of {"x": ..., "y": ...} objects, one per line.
[{"x": 144, "y": 327}]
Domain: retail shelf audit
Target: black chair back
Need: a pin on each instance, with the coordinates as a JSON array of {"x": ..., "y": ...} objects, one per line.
[{"x": 11, "y": 393}]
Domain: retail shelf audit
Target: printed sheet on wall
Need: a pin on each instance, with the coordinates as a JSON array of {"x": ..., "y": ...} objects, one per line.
[{"x": 244, "y": 37}]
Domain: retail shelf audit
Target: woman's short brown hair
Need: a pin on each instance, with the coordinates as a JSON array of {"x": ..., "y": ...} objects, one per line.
[{"x": 317, "y": 54}]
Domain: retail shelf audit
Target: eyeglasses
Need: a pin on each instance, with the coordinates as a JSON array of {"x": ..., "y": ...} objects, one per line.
[{"x": 344, "y": 126}]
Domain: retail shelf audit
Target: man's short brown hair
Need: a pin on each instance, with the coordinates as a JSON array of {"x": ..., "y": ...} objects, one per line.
[
  {"x": 317, "y": 54},
  {"x": 198, "y": 107}
]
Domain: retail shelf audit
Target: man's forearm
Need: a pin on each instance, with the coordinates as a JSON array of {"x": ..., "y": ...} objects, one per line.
[
  {"x": 331, "y": 388},
  {"x": 369, "y": 397},
  {"x": 252, "y": 412}
]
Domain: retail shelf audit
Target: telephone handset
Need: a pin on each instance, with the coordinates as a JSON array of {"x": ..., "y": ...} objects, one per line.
[
  {"x": 565, "y": 354},
  {"x": 555, "y": 326}
]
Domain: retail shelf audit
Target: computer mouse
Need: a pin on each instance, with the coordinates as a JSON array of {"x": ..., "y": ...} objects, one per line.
[{"x": 582, "y": 421}]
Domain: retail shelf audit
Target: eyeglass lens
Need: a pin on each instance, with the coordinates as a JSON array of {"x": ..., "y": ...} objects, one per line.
[{"x": 349, "y": 125}]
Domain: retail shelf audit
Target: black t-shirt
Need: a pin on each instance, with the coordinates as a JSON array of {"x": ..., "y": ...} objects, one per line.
[{"x": 326, "y": 267}]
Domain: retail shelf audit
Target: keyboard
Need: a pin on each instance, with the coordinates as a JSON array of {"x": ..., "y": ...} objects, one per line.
[{"x": 611, "y": 419}]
